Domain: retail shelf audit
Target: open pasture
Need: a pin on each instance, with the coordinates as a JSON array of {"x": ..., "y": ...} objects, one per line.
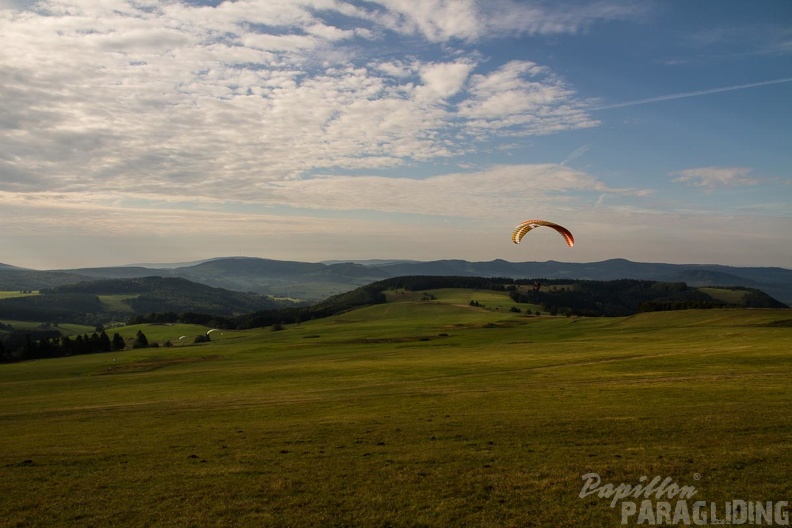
[
  {"x": 493, "y": 300},
  {"x": 116, "y": 304},
  {"x": 403, "y": 414}
]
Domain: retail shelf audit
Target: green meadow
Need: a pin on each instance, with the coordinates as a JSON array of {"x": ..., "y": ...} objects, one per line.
[{"x": 412, "y": 413}]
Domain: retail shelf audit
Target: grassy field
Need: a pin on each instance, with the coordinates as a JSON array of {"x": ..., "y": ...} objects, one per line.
[
  {"x": 5, "y": 294},
  {"x": 728, "y": 295},
  {"x": 114, "y": 303},
  {"x": 492, "y": 300},
  {"x": 411, "y": 413}
]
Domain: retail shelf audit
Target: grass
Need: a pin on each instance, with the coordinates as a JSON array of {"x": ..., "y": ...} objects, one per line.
[
  {"x": 413, "y": 413},
  {"x": 728, "y": 295},
  {"x": 492, "y": 300},
  {"x": 116, "y": 304},
  {"x": 6, "y": 294}
]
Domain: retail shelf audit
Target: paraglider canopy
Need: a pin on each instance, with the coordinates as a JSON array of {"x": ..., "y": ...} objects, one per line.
[{"x": 523, "y": 228}]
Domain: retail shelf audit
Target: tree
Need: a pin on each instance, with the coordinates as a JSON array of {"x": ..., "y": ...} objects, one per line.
[
  {"x": 67, "y": 345},
  {"x": 140, "y": 340},
  {"x": 94, "y": 344},
  {"x": 105, "y": 345},
  {"x": 118, "y": 342},
  {"x": 27, "y": 349},
  {"x": 79, "y": 344}
]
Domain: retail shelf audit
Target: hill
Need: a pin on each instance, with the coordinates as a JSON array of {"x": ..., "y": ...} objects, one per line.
[
  {"x": 102, "y": 301},
  {"x": 555, "y": 297},
  {"x": 776, "y": 282},
  {"x": 629, "y": 296},
  {"x": 13, "y": 279},
  {"x": 311, "y": 281},
  {"x": 317, "y": 281},
  {"x": 176, "y": 300}
]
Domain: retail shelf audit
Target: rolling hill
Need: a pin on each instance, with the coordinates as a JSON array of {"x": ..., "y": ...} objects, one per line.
[
  {"x": 101, "y": 301},
  {"x": 556, "y": 297},
  {"x": 317, "y": 281},
  {"x": 169, "y": 301}
]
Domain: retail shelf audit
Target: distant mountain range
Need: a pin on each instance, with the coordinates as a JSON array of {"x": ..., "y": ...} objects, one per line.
[{"x": 317, "y": 281}]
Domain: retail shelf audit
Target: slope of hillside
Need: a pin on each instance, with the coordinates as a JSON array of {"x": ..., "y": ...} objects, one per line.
[
  {"x": 97, "y": 302},
  {"x": 402, "y": 414}
]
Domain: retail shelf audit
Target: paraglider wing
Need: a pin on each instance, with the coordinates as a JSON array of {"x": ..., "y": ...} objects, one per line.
[{"x": 523, "y": 228}]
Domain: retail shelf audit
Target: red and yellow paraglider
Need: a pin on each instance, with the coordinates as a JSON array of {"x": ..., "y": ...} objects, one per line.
[{"x": 523, "y": 228}]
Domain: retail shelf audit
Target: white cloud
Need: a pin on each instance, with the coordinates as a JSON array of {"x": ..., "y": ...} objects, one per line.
[
  {"x": 469, "y": 20},
  {"x": 503, "y": 190},
  {"x": 437, "y": 20},
  {"x": 279, "y": 42},
  {"x": 711, "y": 177},
  {"x": 499, "y": 191},
  {"x": 443, "y": 80},
  {"x": 176, "y": 98},
  {"x": 523, "y": 96}
]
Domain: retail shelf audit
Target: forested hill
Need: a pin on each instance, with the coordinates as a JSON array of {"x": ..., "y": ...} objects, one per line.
[
  {"x": 599, "y": 298},
  {"x": 171, "y": 298},
  {"x": 556, "y": 297},
  {"x": 317, "y": 281},
  {"x": 627, "y": 296},
  {"x": 98, "y": 302},
  {"x": 173, "y": 294}
]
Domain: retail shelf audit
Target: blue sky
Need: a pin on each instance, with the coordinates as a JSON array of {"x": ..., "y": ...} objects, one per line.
[{"x": 317, "y": 130}]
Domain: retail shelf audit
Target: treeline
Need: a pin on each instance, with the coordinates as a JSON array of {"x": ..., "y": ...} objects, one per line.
[
  {"x": 750, "y": 299},
  {"x": 47, "y": 343},
  {"x": 618, "y": 297},
  {"x": 43, "y": 343}
]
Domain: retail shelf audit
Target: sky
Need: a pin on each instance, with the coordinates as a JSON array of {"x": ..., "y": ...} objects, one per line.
[{"x": 309, "y": 130}]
